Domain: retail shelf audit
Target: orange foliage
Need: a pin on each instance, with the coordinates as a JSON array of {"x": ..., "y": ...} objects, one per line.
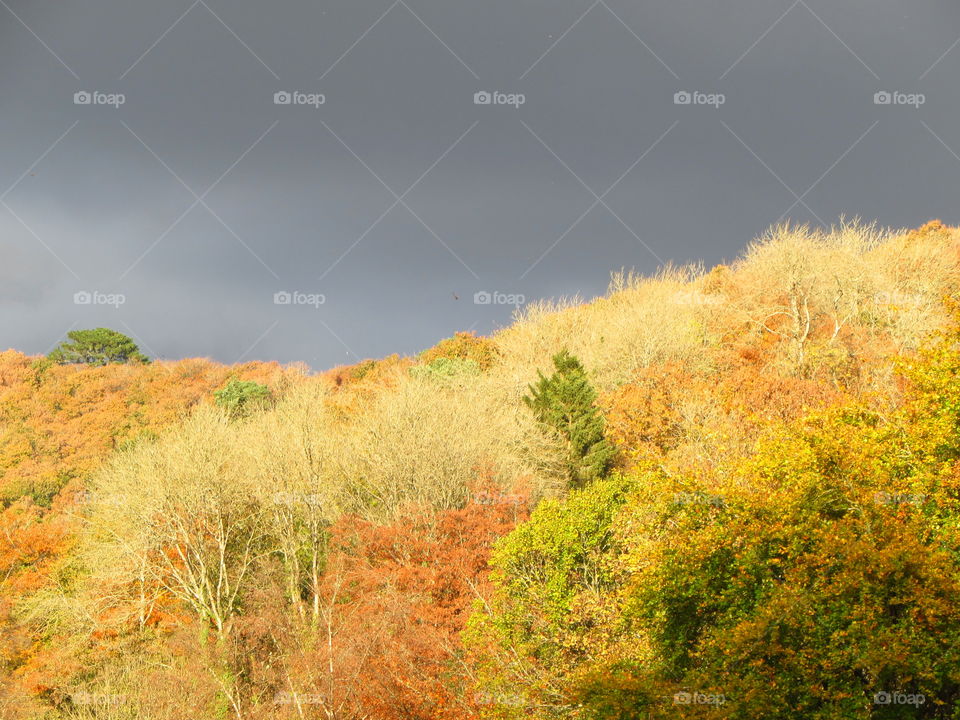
[
  {"x": 60, "y": 421},
  {"x": 648, "y": 416},
  {"x": 463, "y": 346},
  {"x": 368, "y": 373},
  {"x": 57, "y": 424},
  {"x": 423, "y": 576},
  {"x": 385, "y": 640},
  {"x": 643, "y": 415}
]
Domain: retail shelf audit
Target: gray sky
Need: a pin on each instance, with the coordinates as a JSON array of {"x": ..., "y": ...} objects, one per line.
[{"x": 199, "y": 197}]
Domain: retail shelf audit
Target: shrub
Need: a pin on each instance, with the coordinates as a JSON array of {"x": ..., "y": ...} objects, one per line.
[
  {"x": 463, "y": 346},
  {"x": 446, "y": 369},
  {"x": 242, "y": 397}
]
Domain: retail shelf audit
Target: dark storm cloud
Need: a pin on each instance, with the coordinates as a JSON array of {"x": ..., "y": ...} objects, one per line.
[{"x": 199, "y": 199}]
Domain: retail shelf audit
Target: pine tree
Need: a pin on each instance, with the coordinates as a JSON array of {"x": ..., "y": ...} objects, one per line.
[
  {"x": 565, "y": 402},
  {"x": 97, "y": 347}
]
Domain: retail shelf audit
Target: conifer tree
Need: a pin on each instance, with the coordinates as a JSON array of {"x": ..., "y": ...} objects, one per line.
[
  {"x": 565, "y": 402},
  {"x": 97, "y": 347}
]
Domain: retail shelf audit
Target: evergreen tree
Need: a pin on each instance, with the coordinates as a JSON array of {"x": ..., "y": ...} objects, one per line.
[
  {"x": 97, "y": 347},
  {"x": 565, "y": 402}
]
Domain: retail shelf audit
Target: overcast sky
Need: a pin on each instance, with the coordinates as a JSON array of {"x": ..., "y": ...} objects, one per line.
[{"x": 180, "y": 198}]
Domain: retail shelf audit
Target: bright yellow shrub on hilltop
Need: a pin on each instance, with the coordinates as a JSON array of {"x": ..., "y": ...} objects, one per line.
[
  {"x": 463, "y": 346},
  {"x": 816, "y": 300}
]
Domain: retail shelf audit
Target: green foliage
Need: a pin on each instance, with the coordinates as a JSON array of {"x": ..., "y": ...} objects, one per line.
[
  {"x": 41, "y": 491},
  {"x": 556, "y": 555},
  {"x": 243, "y": 397},
  {"x": 363, "y": 369},
  {"x": 936, "y": 392},
  {"x": 96, "y": 347},
  {"x": 827, "y": 575},
  {"x": 555, "y": 583},
  {"x": 445, "y": 369},
  {"x": 40, "y": 367},
  {"x": 565, "y": 402},
  {"x": 814, "y": 578}
]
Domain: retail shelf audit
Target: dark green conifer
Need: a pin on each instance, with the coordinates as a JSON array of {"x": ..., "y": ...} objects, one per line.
[{"x": 565, "y": 402}]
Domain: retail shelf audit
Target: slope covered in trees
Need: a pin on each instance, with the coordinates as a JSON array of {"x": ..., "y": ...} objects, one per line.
[
  {"x": 766, "y": 525},
  {"x": 58, "y": 423}
]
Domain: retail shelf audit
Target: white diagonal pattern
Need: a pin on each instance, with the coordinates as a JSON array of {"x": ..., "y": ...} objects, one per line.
[
  {"x": 39, "y": 39},
  {"x": 798, "y": 198},
  {"x": 177, "y": 22},
  {"x": 828, "y": 170},
  {"x": 200, "y": 200},
  {"x": 399, "y": 200},
  {"x": 598, "y": 199},
  {"x": 615, "y": 17}
]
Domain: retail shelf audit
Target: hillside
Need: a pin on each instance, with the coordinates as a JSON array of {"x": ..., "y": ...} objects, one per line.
[
  {"x": 58, "y": 423},
  {"x": 775, "y": 530}
]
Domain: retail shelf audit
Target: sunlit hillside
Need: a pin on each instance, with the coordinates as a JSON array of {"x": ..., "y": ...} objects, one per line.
[{"x": 750, "y": 473}]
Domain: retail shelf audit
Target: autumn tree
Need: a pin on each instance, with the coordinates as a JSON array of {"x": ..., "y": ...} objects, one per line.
[
  {"x": 814, "y": 576},
  {"x": 555, "y": 603},
  {"x": 197, "y": 526},
  {"x": 58, "y": 424}
]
